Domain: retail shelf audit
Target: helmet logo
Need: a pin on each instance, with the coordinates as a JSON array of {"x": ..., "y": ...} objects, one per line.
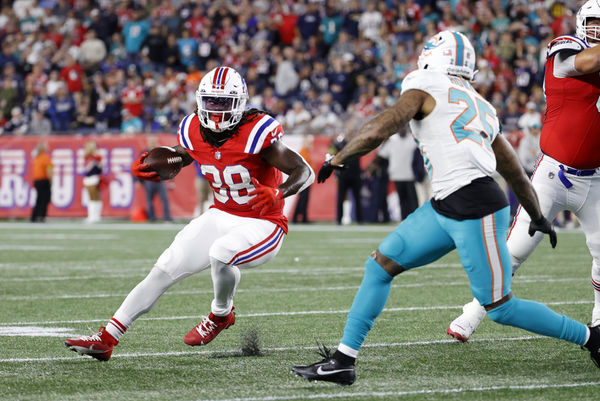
[
  {"x": 219, "y": 78},
  {"x": 433, "y": 43}
]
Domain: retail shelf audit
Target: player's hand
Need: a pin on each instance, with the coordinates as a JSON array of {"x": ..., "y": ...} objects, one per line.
[
  {"x": 264, "y": 197},
  {"x": 327, "y": 168},
  {"x": 544, "y": 226},
  {"x": 138, "y": 167}
]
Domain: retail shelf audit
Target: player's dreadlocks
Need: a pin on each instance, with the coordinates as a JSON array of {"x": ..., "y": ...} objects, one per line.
[{"x": 217, "y": 139}]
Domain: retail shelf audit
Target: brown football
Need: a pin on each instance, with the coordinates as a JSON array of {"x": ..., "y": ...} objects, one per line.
[{"x": 165, "y": 161}]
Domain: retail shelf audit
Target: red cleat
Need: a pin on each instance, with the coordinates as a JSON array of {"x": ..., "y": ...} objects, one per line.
[
  {"x": 209, "y": 328},
  {"x": 99, "y": 346}
]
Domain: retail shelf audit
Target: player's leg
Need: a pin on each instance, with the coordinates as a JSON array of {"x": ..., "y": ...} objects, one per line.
[
  {"x": 417, "y": 241},
  {"x": 484, "y": 255},
  {"x": 248, "y": 243},
  {"x": 552, "y": 197},
  {"x": 589, "y": 218},
  {"x": 164, "y": 200},
  {"x": 187, "y": 254},
  {"x": 149, "y": 188}
]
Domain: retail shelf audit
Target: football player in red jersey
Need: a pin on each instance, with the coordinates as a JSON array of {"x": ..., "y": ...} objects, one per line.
[
  {"x": 567, "y": 175},
  {"x": 242, "y": 157}
]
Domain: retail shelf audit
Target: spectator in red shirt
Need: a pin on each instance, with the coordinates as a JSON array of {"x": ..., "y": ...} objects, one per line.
[
  {"x": 285, "y": 23},
  {"x": 196, "y": 23},
  {"x": 132, "y": 97},
  {"x": 73, "y": 74},
  {"x": 36, "y": 79}
]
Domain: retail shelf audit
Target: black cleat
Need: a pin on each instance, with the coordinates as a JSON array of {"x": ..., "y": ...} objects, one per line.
[
  {"x": 329, "y": 370},
  {"x": 594, "y": 345}
]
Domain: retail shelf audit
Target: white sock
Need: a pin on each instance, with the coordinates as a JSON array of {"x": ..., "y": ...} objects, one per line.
[
  {"x": 116, "y": 329},
  {"x": 474, "y": 309},
  {"x": 97, "y": 210},
  {"x": 596, "y": 283},
  {"x": 225, "y": 280},
  {"x": 344, "y": 349}
]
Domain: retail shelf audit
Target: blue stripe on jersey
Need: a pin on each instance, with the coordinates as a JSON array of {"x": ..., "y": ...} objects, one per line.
[
  {"x": 459, "y": 49},
  {"x": 259, "y": 133},
  {"x": 185, "y": 144}
]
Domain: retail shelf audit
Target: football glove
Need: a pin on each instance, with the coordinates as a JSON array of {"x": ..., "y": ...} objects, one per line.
[
  {"x": 544, "y": 226},
  {"x": 327, "y": 168},
  {"x": 138, "y": 167},
  {"x": 264, "y": 197}
]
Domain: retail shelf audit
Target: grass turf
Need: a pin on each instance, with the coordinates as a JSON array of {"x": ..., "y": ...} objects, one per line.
[{"x": 64, "y": 279}]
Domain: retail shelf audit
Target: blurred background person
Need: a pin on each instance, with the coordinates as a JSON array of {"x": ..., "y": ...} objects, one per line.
[
  {"x": 529, "y": 146},
  {"x": 42, "y": 182},
  {"x": 348, "y": 179},
  {"x": 203, "y": 192},
  {"x": 301, "y": 208},
  {"x": 399, "y": 150},
  {"x": 156, "y": 188},
  {"x": 39, "y": 124},
  {"x": 92, "y": 181}
]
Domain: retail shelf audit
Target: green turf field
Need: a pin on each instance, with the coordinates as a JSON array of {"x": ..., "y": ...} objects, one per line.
[{"x": 63, "y": 279}]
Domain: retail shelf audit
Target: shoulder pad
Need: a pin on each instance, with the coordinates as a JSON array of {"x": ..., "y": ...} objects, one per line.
[
  {"x": 184, "y": 130},
  {"x": 565, "y": 42},
  {"x": 261, "y": 128}
]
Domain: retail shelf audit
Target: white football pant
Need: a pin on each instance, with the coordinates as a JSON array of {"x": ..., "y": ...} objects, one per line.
[
  {"x": 583, "y": 199},
  {"x": 217, "y": 239}
]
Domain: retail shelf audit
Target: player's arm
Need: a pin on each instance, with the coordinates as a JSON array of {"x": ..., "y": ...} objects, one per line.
[
  {"x": 588, "y": 61},
  {"x": 300, "y": 174},
  {"x": 412, "y": 103},
  {"x": 507, "y": 164},
  {"x": 573, "y": 57}
]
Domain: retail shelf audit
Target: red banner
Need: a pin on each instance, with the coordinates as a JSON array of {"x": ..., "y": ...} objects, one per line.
[{"x": 122, "y": 195}]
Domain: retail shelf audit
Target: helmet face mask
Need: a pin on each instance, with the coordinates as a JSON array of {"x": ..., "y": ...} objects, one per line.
[
  {"x": 589, "y": 33},
  {"x": 221, "y": 99},
  {"x": 449, "y": 52}
]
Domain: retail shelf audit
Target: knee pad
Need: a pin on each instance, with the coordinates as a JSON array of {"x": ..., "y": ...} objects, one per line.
[
  {"x": 392, "y": 246},
  {"x": 221, "y": 251}
]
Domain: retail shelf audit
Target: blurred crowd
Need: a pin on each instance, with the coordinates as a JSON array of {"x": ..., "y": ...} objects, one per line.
[{"x": 133, "y": 66}]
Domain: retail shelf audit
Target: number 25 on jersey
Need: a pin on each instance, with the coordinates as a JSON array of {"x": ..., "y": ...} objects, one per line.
[{"x": 472, "y": 123}]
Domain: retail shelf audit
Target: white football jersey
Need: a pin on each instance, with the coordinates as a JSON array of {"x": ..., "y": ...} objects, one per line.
[{"x": 455, "y": 138}]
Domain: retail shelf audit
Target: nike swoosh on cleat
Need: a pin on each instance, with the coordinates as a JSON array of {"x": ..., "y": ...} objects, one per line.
[
  {"x": 322, "y": 372},
  {"x": 91, "y": 350}
]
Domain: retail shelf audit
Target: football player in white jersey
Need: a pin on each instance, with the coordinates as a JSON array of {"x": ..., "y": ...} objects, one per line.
[{"x": 458, "y": 134}]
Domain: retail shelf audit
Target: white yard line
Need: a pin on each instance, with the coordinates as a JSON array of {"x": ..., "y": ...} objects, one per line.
[
  {"x": 264, "y": 290},
  {"x": 266, "y": 314},
  {"x": 379, "y": 394},
  {"x": 267, "y": 349}
]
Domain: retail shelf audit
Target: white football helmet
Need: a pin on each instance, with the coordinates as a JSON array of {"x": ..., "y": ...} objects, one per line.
[
  {"x": 221, "y": 98},
  {"x": 591, "y": 9},
  {"x": 448, "y": 52}
]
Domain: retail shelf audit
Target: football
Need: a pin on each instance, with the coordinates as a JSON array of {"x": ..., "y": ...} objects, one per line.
[{"x": 165, "y": 161}]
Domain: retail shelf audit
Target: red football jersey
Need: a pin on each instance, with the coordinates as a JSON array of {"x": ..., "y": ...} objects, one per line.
[
  {"x": 230, "y": 168},
  {"x": 571, "y": 131}
]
